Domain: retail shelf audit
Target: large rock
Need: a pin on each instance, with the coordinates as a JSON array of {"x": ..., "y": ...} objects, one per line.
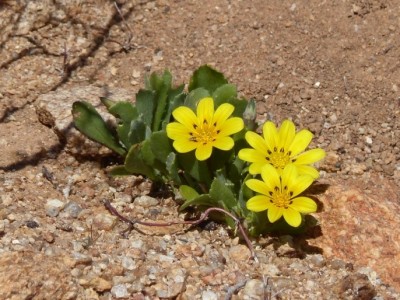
[{"x": 362, "y": 226}]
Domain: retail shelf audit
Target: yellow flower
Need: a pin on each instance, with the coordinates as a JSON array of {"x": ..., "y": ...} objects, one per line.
[
  {"x": 278, "y": 194},
  {"x": 205, "y": 130},
  {"x": 280, "y": 148}
]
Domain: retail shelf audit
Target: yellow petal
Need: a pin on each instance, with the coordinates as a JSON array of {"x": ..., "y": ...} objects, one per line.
[
  {"x": 251, "y": 155},
  {"x": 258, "y": 186},
  {"x": 203, "y": 152},
  {"x": 205, "y": 110},
  {"x": 286, "y": 134},
  {"x": 184, "y": 145},
  {"x": 271, "y": 177},
  {"x": 292, "y": 217},
  {"x": 176, "y": 131},
  {"x": 270, "y": 135},
  {"x": 307, "y": 170},
  {"x": 289, "y": 176},
  {"x": 231, "y": 126},
  {"x": 310, "y": 157},
  {"x": 256, "y": 167},
  {"x": 185, "y": 116},
  {"x": 274, "y": 213},
  {"x": 300, "y": 142},
  {"x": 258, "y": 203},
  {"x": 223, "y": 143},
  {"x": 222, "y": 113},
  {"x": 257, "y": 142},
  {"x": 304, "y": 205},
  {"x": 300, "y": 184}
]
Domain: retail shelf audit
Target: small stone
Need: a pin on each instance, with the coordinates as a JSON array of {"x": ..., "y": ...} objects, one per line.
[
  {"x": 73, "y": 209},
  {"x": 98, "y": 284},
  {"x": 317, "y": 84},
  {"x": 239, "y": 253},
  {"x": 119, "y": 291},
  {"x": 53, "y": 207},
  {"x": 104, "y": 222},
  {"x": 146, "y": 201},
  {"x": 128, "y": 263},
  {"x": 254, "y": 289},
  {"x": 32, "y": 224},
  {"x": 209, "y": 295},
  {"x": 368, "y": 140},
  {"x": 317, "y": 260}
]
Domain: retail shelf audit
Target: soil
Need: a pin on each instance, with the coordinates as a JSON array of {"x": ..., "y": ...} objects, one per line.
[{"x": 330, "y": 66}]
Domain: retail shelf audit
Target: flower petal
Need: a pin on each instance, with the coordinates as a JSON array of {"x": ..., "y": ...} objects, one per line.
[
  {"x": 205, "y": 110},
  {"x": 184, "y": 145},
  {"x": 271, "y": 177},
  {"x": 257, "y": 142},
  {"x": 177, "y": 131},
  {"x": 300, "y": 184},
  {"x": 185, "y": 116},
  {"x": 289, "y": 177},
  {"x": 258, "y": 203},
  {"x": 286, "y": 134},
  {"x": 256, "y": 167},
  {"x": 274, "y": 213},
  {"x": 292, "y": 217},
  {"x": 223, "y": 143},
  {"x": 300, "y": 142},
  {"x": 231, "y": 126},
  {"x": 251, "y": 155},
  {"x": 307, "y": 170},
  {"x": 258, "y": 186},
  {"x": 310, "y": 157},
  {"x": 270, "y": 134},
  {"x": 203, "y": 152},
  {"x": 222, "y": 113},
  {"x": 304, "y": 205}
]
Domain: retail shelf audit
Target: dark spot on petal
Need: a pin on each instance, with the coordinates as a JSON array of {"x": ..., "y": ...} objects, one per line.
[
  {"x": 275, "y": 149},
  {"x": 195, "y": 126},
  {"x": 270, "y": 200},
  {"x": 291, "y": 202},
  {"x": 218, "y": 131},
  {"x": 215, "y": 124},
  {"x": 285, "y": 187},
  {"x": 289, "y": 153},
  {"x": 291, "y": 193},
  {"x": 293, "y": 160},
  {"x": 276, "y": 189},
  {"x": 191, "y": 133},
  {"x": 213, "y": 140},
  {"x": 267, "y": 158},
  {"x": 282, "y": 150},
  {"x": 271, "y": 193},
  {"x": 269, "y": 152},
  {"x": 205, "y": 122},
  {"x": 204, "y": 143}
]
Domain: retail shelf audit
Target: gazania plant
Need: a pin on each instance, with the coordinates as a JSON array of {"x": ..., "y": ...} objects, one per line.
[{"x": 203, "y": 143}]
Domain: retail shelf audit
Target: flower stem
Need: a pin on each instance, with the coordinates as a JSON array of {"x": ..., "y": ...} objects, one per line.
[{"x": 203, "y": 216}]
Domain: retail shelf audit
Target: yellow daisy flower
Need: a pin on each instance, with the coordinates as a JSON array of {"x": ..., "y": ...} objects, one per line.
[
  {"x": 205, "y": 130},
  {"x": 280, "y": 148},
  {"x": 278, "y": 194}
]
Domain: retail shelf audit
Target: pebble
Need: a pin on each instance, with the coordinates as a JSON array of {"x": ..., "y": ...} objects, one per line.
[
  {"x": 128, "y": 263},
  {"x": 146, "y": 201},
  {"x": 209, "y": 295},
  {"x": 119, "y": 291},
  {"x": 53, "y": 207},
  {"x": 104, "y": 222},
  {"x": 254, "y": 289},
  {"x": 239, "y": 253},
  {"x": 73, "y": 209}
]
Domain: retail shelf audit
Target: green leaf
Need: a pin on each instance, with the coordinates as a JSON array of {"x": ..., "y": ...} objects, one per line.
[
  {"x": 202, "y": 200},
  {"x": 160, "y": 145},
  {"x": 187, "y": 192},
  {"x": 208, "y": 78},
  {"x": 177, "y": 101},
  {"x": 224, "y": 93},
  {"x": 90, "y": 123},
  {"x": 195, "y": 96},
  {"x": 137, "y": 132},
  {"x": 145, "y": 104},
  {"x": 162, "y": 86},
  {"x": 135, "y": 163},
  {"x": 123, "y": 110},
  {"x": 119, "y": 171},
  {"x": 249, "y": 115},
  {"x": 173, "y": 169},
  {"x": 198, "y": 170},
  {"x": 223, "y": 194}
]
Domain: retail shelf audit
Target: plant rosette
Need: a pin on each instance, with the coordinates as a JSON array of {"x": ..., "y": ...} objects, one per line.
[{"x": 198, "y": 141}]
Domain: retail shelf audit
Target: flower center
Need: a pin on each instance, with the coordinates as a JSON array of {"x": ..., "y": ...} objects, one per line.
[
  {"x": 279, "y": 159},
  {"x": 281, "y": 200},
  {"x": 205, "y": 133}
]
